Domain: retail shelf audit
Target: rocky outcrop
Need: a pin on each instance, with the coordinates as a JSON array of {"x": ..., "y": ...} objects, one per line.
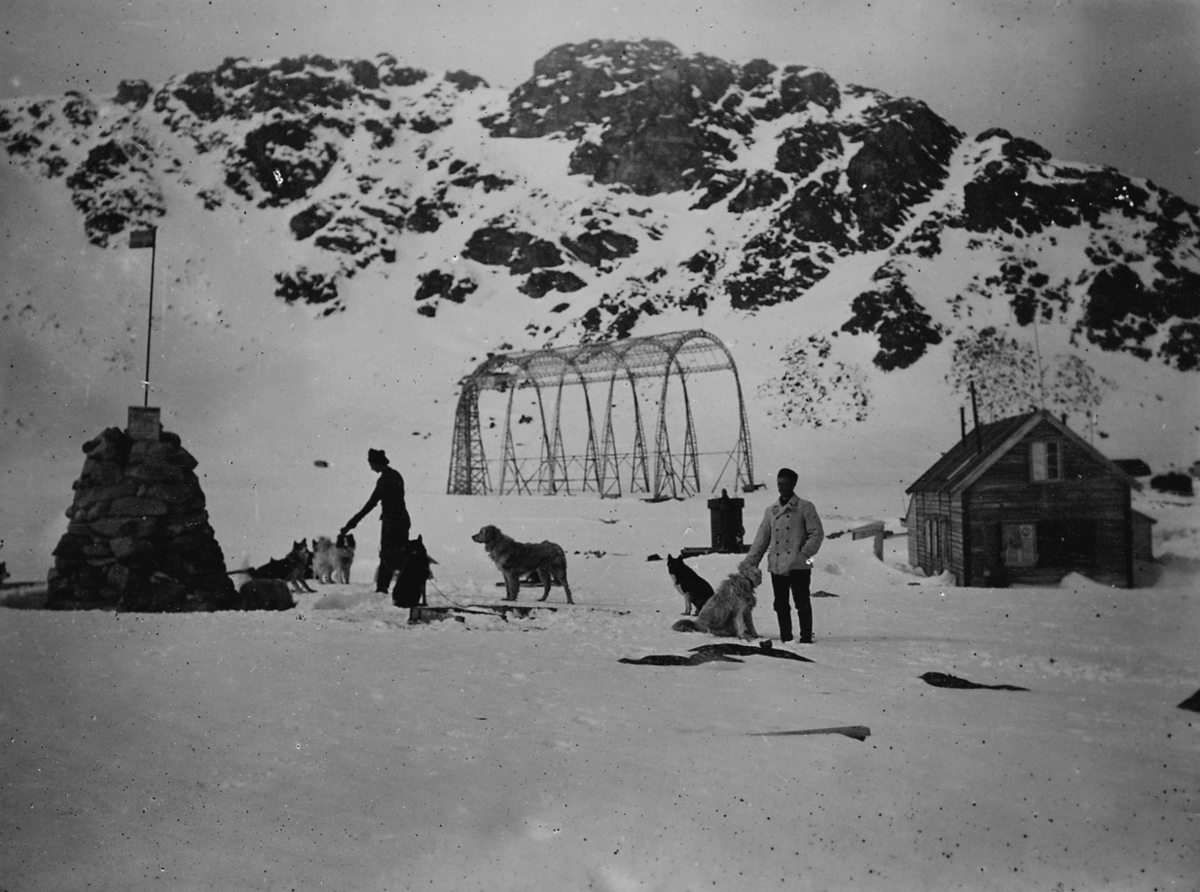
[
  {"x": 653, "y": 103},
  {"x": 781, "y": 174},
  {"x": 138, "y": 537}
]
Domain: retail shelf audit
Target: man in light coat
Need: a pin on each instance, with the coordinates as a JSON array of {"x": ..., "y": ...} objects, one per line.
[{"x": 790, "y": 534}]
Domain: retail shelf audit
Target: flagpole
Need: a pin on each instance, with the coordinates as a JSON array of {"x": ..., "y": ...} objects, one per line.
[
  {"x": 147, "y": 238},
  {"x": 149, "y": 323}
]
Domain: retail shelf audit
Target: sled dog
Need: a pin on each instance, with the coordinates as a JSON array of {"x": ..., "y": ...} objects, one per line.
[
  {"x": 514, "y": 559},
  {"x": 728, "y": 612},
  {"x": 332, "y": 560},
  {"x": 291, "y": 568},
  {"x": 695, "y": 588},
  {"x": 265, "y": 594},
  {"x": 409, "y": 588}
]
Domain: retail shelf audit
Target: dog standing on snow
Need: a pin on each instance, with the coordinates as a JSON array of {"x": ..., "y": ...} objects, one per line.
[
  {"x": 514, "y": 559},
  {"x": 332, "y": 560},
  {"x": 728, "y": 612}
]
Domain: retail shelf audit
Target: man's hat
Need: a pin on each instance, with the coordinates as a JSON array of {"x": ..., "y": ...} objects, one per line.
[{"x": 377, "y": 457}]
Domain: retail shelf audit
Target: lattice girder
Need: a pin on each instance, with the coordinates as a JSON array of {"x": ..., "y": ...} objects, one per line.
[{"x": 681, "y": 353}]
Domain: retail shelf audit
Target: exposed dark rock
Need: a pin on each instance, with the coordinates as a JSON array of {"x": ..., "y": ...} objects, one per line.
[
  {"x": 79, "y": 110},
  {"x": 286, "y": 159},
  {"x": 761, "y": 189},
  {"x": 904, "y": 156},
  {"x": 804, "y": 149},
  {"x": 1173, "y": 482},
  {"x": 436, "y": 283},
  {"x": 308, "y": 288},
  {"x": 650, "y": 98},
  {"x": 802, "y": 86},
  {"x": 309, "y": 221},
  {"x": 541, "y": 282},
  {"x": 468, "y": 176},
  {"x": 597, "y": 247},
  {"x": 465, "y": 80},
  {"x": 903, "y": 327},
  {"x": 519, "y": 251},
  {"x": 113, "y": 187},
  {"x": 133, "y": 92},
  {"x": 427, "y": 214},
  {"x": 365, "y": 74}
]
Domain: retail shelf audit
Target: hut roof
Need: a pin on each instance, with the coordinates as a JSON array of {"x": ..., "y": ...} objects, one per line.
[{"x": 971, "y": 456}]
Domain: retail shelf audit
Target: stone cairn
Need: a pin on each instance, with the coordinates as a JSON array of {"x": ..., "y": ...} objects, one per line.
[{"x": 138, "y": 537}]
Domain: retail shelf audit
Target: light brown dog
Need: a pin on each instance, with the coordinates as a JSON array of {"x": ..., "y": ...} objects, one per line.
[
  {"x": 727, "y": 613},
  {"x": 515, "y": 559}
]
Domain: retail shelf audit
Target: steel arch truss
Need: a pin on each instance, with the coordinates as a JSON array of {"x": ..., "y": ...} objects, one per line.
[{"x": 606, "y": 466}]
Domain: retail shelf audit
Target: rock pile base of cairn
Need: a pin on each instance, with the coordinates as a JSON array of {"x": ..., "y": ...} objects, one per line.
[{"x": 139, "y": 537}]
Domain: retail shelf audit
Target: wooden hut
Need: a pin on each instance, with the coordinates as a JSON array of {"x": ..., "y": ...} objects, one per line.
[{"x": 1024, "y": 500}]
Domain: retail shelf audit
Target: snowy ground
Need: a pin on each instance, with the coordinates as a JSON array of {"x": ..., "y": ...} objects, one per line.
[{"x": 335, "y": 747}]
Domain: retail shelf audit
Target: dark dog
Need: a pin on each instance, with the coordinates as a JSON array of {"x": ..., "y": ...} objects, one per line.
[
  {"x": 265, "y": 594},
  {"x": 515, "y": 559},
  {"x": 291, "y": 568},
  {"x": 695, "y": 588},
  {"x": 409, "y": 588}
]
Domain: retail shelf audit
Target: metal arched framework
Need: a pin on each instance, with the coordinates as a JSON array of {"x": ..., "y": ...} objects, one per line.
[{"x": 666, "y": 472}]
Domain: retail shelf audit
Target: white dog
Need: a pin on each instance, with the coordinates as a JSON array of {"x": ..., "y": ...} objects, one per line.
[{"x": 728, "y": 612}]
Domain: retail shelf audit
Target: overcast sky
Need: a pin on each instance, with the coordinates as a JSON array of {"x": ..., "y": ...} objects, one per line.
[{"x": 1105, "y": 81}]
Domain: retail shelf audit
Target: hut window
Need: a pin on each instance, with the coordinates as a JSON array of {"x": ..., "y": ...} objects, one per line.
[{"x": 1045, "y": 462}]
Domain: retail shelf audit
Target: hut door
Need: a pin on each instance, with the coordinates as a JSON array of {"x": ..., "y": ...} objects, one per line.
[{"x": 1020, "y": 545}]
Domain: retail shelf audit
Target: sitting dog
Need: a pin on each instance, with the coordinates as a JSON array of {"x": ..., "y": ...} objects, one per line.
[
  {"x": 291, "y": 568},
  {"x": 695, "y": 588},
  {"x": 514, "y": 559},
  {"x": 728, "y": 612},
  {"x": 331, "y": 560},
  {"x": 409, "y": 588}
]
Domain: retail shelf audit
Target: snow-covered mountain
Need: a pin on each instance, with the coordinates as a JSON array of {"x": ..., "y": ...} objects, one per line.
[{"x": 340, "y": 241}]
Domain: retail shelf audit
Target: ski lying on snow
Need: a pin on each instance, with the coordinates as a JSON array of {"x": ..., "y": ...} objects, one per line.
[{"x": 858, "y": 732}]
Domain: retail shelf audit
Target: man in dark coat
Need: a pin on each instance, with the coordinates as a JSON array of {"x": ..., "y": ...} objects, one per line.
[{"x": 393, "y": 515}]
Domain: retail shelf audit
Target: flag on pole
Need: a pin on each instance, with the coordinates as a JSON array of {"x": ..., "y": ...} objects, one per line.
[{"x": 142, "y": 238}]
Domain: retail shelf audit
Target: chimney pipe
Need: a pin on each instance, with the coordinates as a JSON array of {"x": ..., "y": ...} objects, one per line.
[{"x": 975, "y": 415}]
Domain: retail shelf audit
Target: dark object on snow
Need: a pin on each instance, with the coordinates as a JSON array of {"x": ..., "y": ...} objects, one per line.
[
  {"x": 825, "y": 594},
  {"x": 725, "y": 652},
  {"x": 942, "y": 680},
  {"x": 262, "y": 594},
  {"x": 677, "y": 660},
  {"x": 1192, "y": 702},
  {"x": 730, "y": 648},
  {"x": 858, "y": 732},
  {"x": 1173, "y": 483},
  {"x": 725, "y": 521},
  {"x": 409, "y": 590}
]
